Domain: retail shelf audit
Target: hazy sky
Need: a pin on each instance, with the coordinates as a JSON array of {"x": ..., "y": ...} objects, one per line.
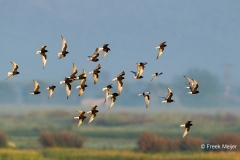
[{"x": 200, "y": 34}]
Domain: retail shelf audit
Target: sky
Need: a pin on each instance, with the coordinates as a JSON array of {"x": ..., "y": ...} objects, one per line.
[{"x": 199, "y": 34}]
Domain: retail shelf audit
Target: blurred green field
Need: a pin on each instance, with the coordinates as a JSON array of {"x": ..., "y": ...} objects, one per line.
[{"x": 113, "y": 129}]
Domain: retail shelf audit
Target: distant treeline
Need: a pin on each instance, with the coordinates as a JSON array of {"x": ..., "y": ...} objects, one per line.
[{"x": 211, "y": 92}]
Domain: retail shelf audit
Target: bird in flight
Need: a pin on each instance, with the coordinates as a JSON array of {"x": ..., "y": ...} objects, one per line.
[
  {"x": 80, "y": 118},
  {"x": 42, "y": 53},
  {"x": 169, "y": 96},
  {"x": 146, "y": 96},
  {"x": 161, "y": 49},
  {"x": 187, "y": 127},
  {"x": 14, "y": 71},
  {"x": 64, "y": 51}
]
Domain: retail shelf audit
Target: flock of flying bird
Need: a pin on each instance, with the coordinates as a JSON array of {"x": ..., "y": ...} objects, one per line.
[{"x": 192, "y": 84}]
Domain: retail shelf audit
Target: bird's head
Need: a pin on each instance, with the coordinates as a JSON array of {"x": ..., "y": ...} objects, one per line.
[{"x": 115, "y": 94}]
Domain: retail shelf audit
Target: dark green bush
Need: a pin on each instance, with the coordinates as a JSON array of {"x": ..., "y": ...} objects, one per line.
[
  {"x": 3, "y": 140},
  {"x": 46, "y": 138},
  {"x": 61, "y": 139},
  {"x": 149, "y": 142},
  {"x": 226, "y": 139},
  {"x": 190, "y": 143}
]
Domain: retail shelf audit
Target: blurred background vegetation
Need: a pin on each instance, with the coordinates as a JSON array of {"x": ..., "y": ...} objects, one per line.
[
  {"x": 213, "y": 92},
  {"x": 144, "y": 131},
  {"x": 46, "y": 128}
]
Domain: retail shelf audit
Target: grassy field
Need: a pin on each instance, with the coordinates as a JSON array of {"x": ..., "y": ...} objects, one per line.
[
  {"x": 114, "y": 129},
  {"x": 113, "y": 134},
  {"x": 12, "y": 154},
  {"x": 93, "y": 154}
]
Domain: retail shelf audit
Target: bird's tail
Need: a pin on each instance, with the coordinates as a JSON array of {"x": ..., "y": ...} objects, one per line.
[
  {"x": 76, "y": 117},
  {"x": 157, "y": 47},
  {"x": 114, "y": 79},
  {"x": 78, "y": 87},
  {"x": 139, "y": 94},
  {"x": 48, "y": 88},
  {"x": 38, "y": 52},
  {"x": 62, "y": 82},
  {"x": 104, "y": 89},
  {"x": 110, "y": 96},
  {"x": 32, "y": 93},
  {"x": 134, "y": 77},
  {"x": 89, "y": 112},
  {"x": 10, "y": 73},
  {"x": 182, "y": 125},
  {"x": 90, "y": 72},
  {"x": 59, "y": 54},
  {"x": 89, "y": 58}
]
